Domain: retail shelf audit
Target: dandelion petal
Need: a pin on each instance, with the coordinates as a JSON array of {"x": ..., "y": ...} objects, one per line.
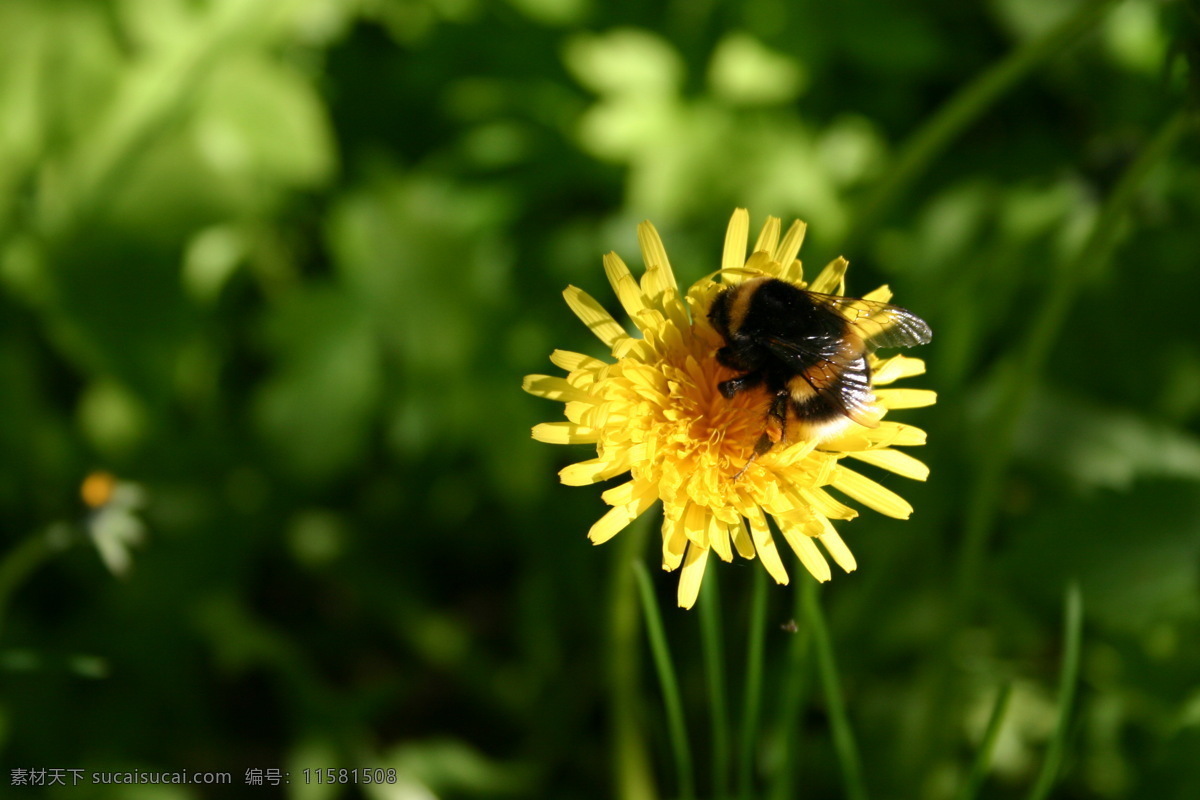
[
  {"x": 617, "y": 519},
  {"x": 654, "y": 253},
  {"x": 765, "y": 545},
  {"x": 588, "y": 472},
  {"x": 768, "y": 238},
  {"x": 894, "y": 461},
  {"x": 832, "y": 278},
  {"x": 809, "y": 553},
  {"x": 592, "y": 314},
  {"x": 718, "y": 538},
  {"x": 627, "y": 289},
  {"x": 826, "y": 506},
  {"x": 573, "y": 362},
  {"x": 741, "y": 539},
  {"x": 897, "y": 367},
  {"x": 552, "y": 388},
  {"x": 790, "y": 246},
  {"x": 871, "y": 494},
  {"x": 838, "y": 549},
  {"x": 881, "y": 295},
  {"x": 675, "y": 542},
  {"x": 736, "y": 237},
  {"x": 695, "y": 524},
  {"x": 693, "y": 572},
  {"x": 906, "y": 398},
  {"x": 564, "y": 433}
]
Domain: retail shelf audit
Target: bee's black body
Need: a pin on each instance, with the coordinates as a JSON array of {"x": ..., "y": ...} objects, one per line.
[{"x": 808, "y": 350}]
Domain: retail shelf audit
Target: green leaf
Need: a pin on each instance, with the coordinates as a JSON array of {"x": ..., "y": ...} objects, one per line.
[
  {"x": 1093, "y": 446},
  {"x": 260, "y": 119},
  {"x": 315, "y": 409},
  {"x": 1134, "y": 553}
]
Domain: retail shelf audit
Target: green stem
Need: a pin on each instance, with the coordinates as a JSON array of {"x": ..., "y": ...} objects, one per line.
[
  {"x": 676, "y": 724},
  {"x": 23, "y": 560},
  {"x": 795, "y": 689},
  {"x": 1068, "y": 681},
  {"x": 960, "y": 111},
  {"x": 983, "y": 757},
  {"x": 843, "y": 735},
  {"x": 714, "y": 660},
  {"x": 633, "y": 777},
  {"x": 752, "y": 699}
]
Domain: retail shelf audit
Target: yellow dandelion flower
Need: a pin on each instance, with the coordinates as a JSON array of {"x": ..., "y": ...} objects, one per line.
[{"x": 657, "y": 414}]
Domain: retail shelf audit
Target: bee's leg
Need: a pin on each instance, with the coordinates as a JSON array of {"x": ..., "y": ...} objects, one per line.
[
  {"x": 740, "y": 384},
  {"x": 745, "y": 467},
  {"x": 776, "y": 431},
  {"x": 761, "y": 447}
]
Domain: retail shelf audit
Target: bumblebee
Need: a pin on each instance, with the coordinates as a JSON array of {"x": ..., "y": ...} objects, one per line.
[{"x": 809, "y": 351}]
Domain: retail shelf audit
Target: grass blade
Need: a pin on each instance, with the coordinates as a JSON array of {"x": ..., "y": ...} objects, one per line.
[
  {"x": 714, "y": 667},
  {"x": 631, "y": 764},
  {"x": 791, "y": 700},
  {"x": 24, "y": 559},
  {"x": 1068, "y": 681},
  {"x": 983, "y": 758},
  {"x": 923, "y": 147},
  {"x": 676, "y": 725},
  {"x": 843, "y": 736},
  {"x": 752, "y": 699}
]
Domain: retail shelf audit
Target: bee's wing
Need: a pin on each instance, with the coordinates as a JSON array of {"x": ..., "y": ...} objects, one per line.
[
  {"x": 879, "y": 324},
  {"x": 837, "y": 373},
  {"x": 847, "y": 387}
]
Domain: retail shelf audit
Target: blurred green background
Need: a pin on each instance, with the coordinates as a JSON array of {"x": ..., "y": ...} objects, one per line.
[{"x": 280, "y": 265}]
